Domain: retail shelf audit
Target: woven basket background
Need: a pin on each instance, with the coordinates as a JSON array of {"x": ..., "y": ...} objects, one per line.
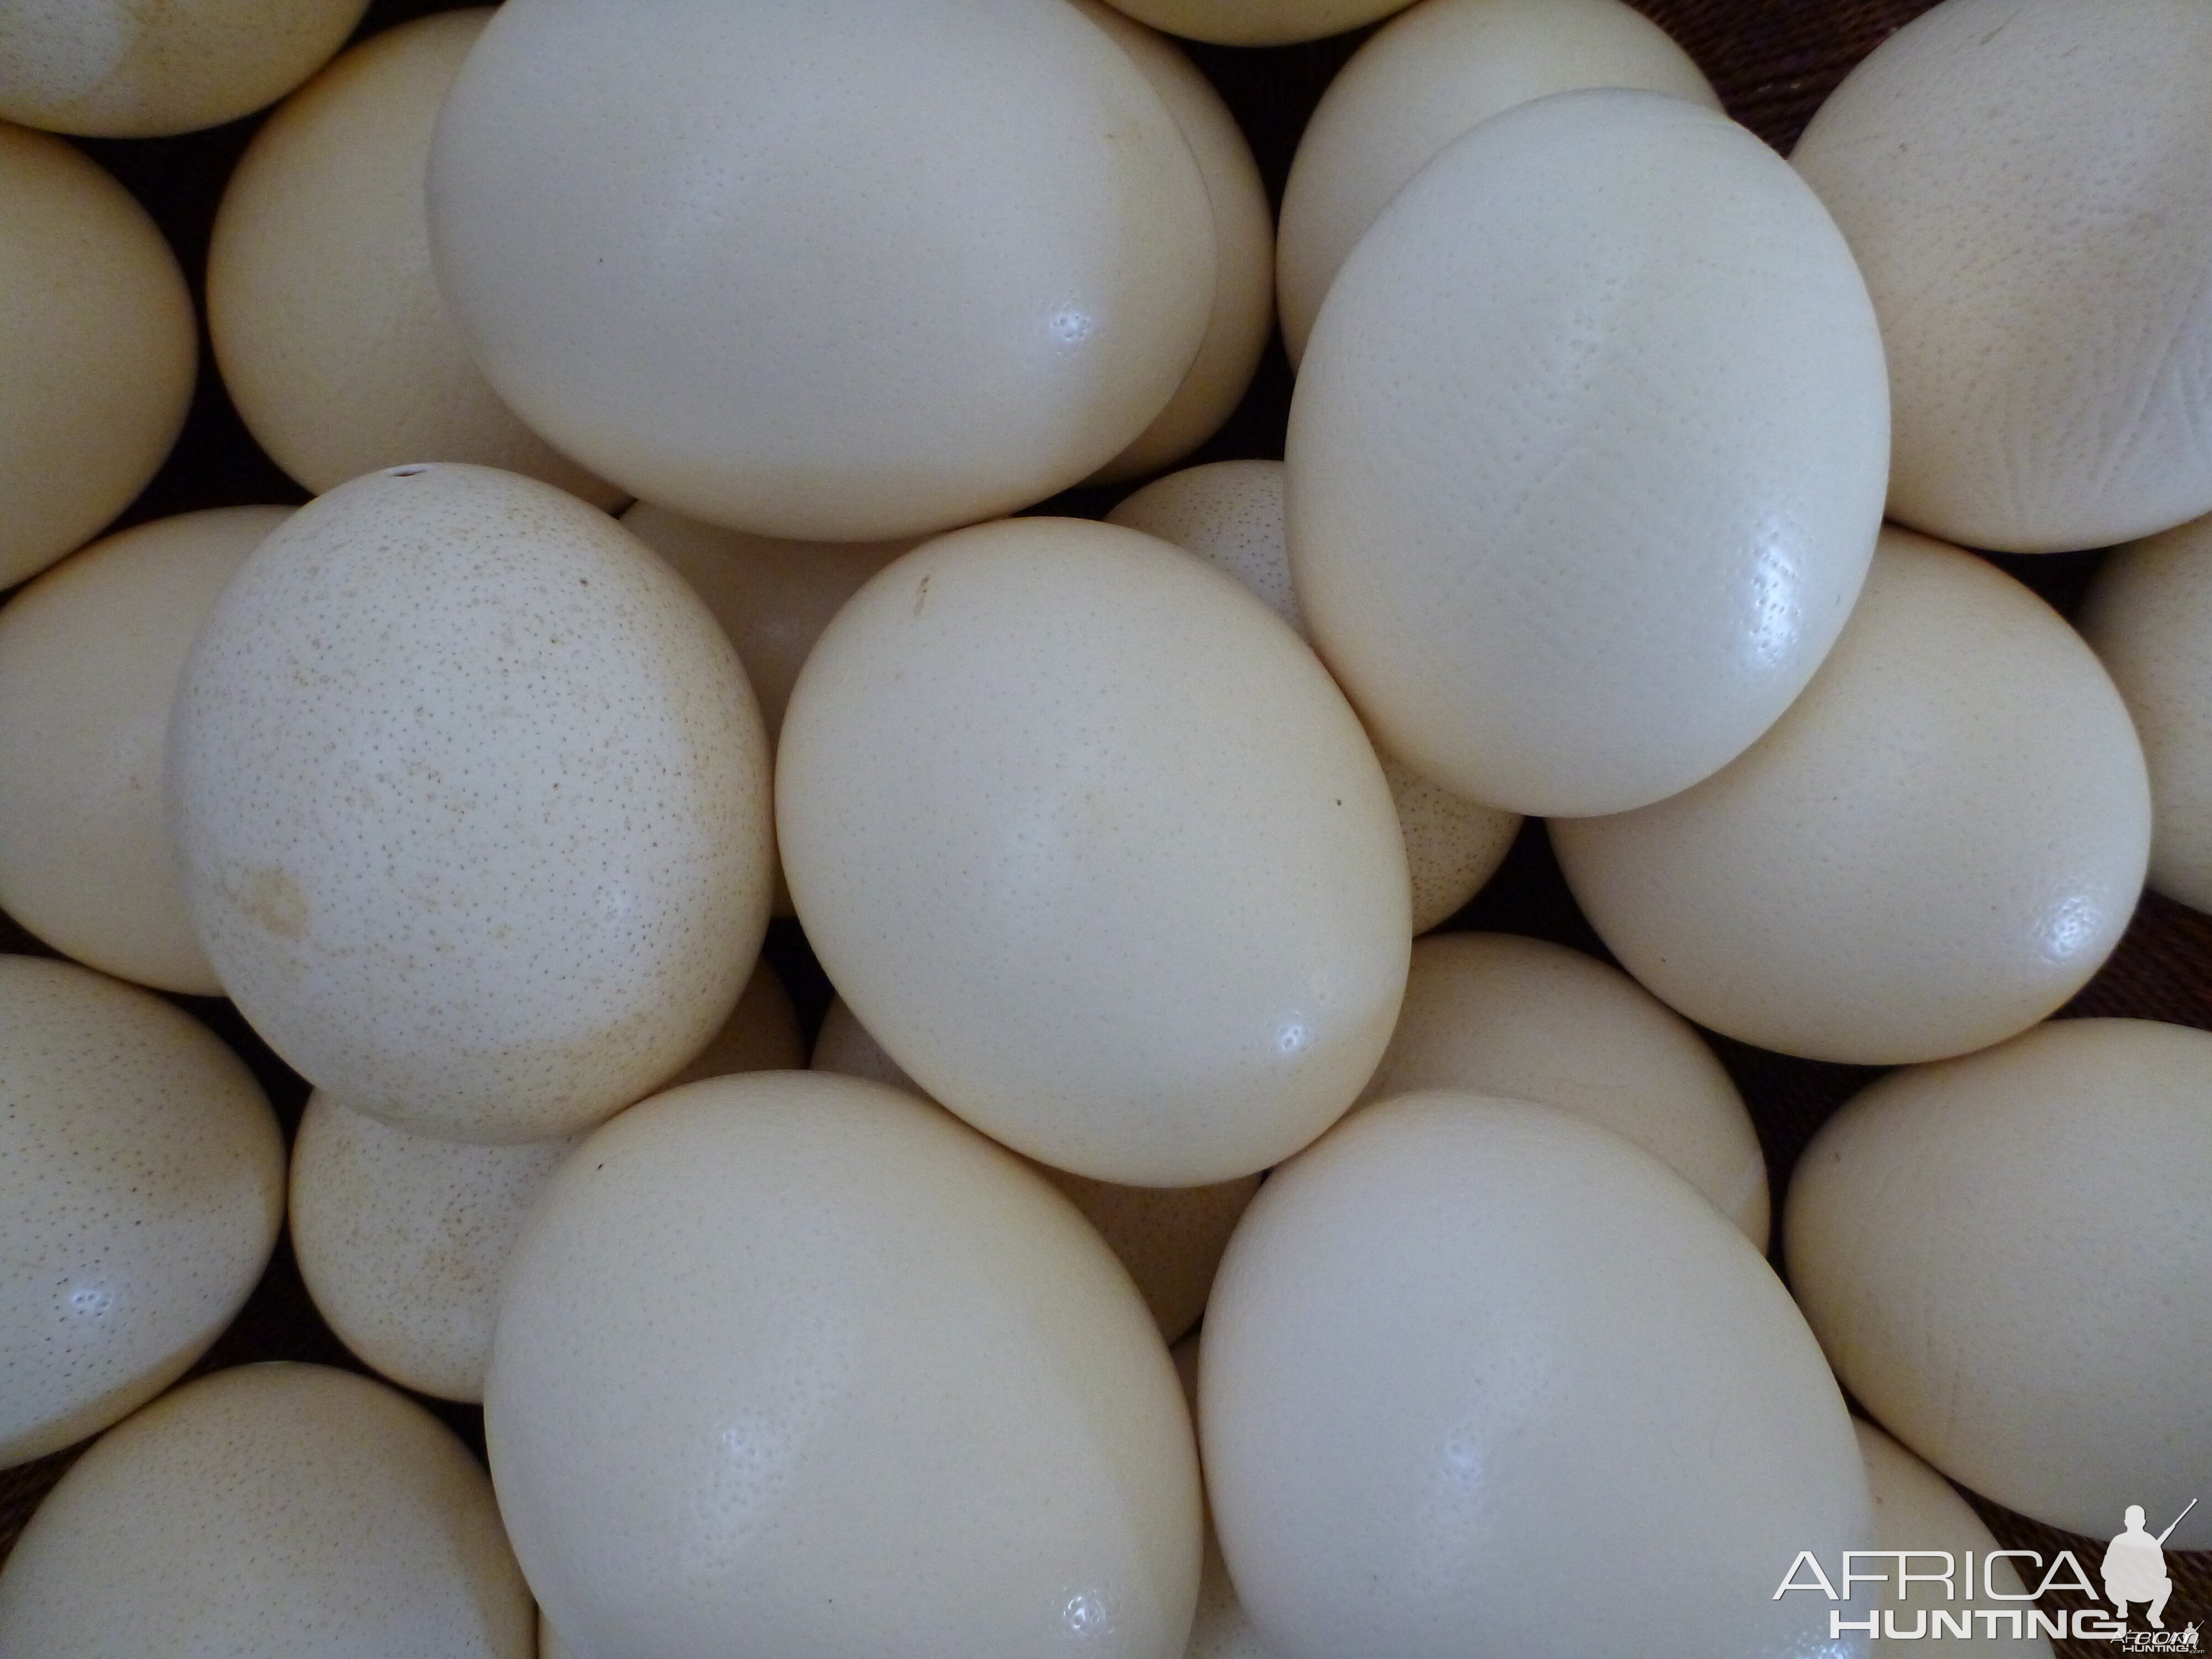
[{"x": 1772, "y": 62}]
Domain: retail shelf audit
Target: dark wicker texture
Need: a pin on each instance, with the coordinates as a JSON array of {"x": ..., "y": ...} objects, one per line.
[{"x": 1772, "y": 62}]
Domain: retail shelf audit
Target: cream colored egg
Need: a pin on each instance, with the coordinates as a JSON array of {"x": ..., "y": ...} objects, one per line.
[
  {"x": 549, "y": 1644},
  {"x": 1096, "y": 851},
  {"x": 1257, "y": 22},
  {"x": 1169, "y": 1238},
  {"x": 2003, "y": 1260},
  {"x": 1230, "y": 514},
  {"x": 328, "y": 324},
  {"x": 2022, "y": 183},
  {"x": 276, "y": 1511},
  {"x": 142, "y": 1184},
  {"x": 1244, "y": 253},
  {"x": 403, "y": 1241},
  {"x": 1915, "y": 1508},
  {"x": 801, "y": 1356},
  {"x": 847, "y": 272},
  {"x": 97, "y": 355},
  {"x": 470, "y": 803},
  {"x": 773, "y": 598},
  {"x": 1587, "y": 454},
  {"x": 1936, "y": 846},
  {"x": 1479, "y": 1376},
  {"x": 124, "y": 68},
  {"x": 1436, "y": 71},
  {"x": 89, "y": 657},
  {"x": 1494, "y": 1014},
  {"x": 2148, "y": 616}
]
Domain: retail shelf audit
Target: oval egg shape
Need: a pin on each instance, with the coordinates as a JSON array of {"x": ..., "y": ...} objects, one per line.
[
  {"x": 97, "y": 353},
  {"x": 1587, "y": 454},
  {"x": 469, "y": 798},
  {"x": 912, "y": 263},
  {"x": 1470, "y": 1362},
  {"x": 1095, "y": 850},
  {"x": 2022, "y": 183},
  {"x": 1932, "y": 850},
  {"x": 271, "y": 1511},
  {"x": 849, "y": 1379},
  {"x": 1972, "y": 1242},
  {"x": 325, "y": 320},
  {"x": 90, "y": 655},
  {"x": 142, "y": 1185}
]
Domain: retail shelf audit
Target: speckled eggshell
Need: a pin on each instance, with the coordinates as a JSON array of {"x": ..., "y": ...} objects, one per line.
[
  {"x": 1915, "y": 1508},
  {"x": 328, "y": 324},
  {"x": 1244, "y": 253},
  {"x": 275, "y": 1511},
  {"x": 2148, "y": 617},
  {"x": 403, "y": 1241},
  {"x": 1096, "y": 851},
  {"x": 1495, "y": 1014},
  {"x": 1932, "y": 850},
  {"x": 470, "y": 802},
  {"x": 1434, "y": 72},
  {"x": 1479, "y": 1376},
  {"x": 1169, "y": 1238},
  {"x": 126, "y": 69},
  {"x": 801, "y": 1356},
  {"x": 97, "y": 353},
  {"x": 1230, "y": 514},
  {"x": 2005, "y": 1261},
  {"x": 1256, "y": 22},
  {"x": 1586, "y": 457},
  {"x": 1004, "y": 260},
  {"x": 89, "y": 657},
  {"x": 2022, "y": 181},
  {"x": 142, "y": 1184}
]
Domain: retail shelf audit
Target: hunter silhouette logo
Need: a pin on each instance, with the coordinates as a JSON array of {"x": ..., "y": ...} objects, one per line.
[{"x": 2135, "y": 1570}]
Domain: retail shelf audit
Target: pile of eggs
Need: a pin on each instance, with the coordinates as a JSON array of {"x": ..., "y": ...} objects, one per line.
[{"x": 1176, "y": 1247}]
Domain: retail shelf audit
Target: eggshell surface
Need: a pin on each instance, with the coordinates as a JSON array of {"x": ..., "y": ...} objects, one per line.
[
  {"x": 1587, "y": 454},
  {"x": 1257, "y": 22},
  {"x": 332, "y": 340},
  {"x": 802, "y": 1357},
  {"x": 1431, "y": 75},
  {"x": 141, "y": 1183},
  {"x": 1169, "y": 1238},
  {"x": 1244, "y": 252},
  {"x": 1095, "y": 850},
  {"x": 2148, "y": 617},
  {"x": 1978, "y": 1246},
  {"x": 760, "y": 1035},
  {"x": 846, "y": 271},
  {"x": 403, "y": 1241},
  {"x": 1915, "y": 1508},
  {"x": 1525, "y": 1369},
  {"x": 1230, "y": 514},
  {"x": 1495, "y": 1014},
  {"x": 2021, "y": 182},
  {"x": 124, "y": 68},
  {"x": 471, "y": 805},
  {"x": 89, "y": 657},
  {"x": 97, "y": 355},
  {"x": 274, "y": 1512},
  {"x": 1932, "y": 850}
]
